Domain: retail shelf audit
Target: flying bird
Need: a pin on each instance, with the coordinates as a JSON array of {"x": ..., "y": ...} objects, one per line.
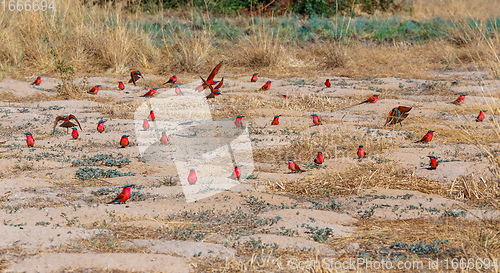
[
  {"x": 38, "y": 81},
  {"x": 237, "y": 172},
  {"x": 30, "y": 141},
  {"x": 74, "y": 134},
  {"x": 121, "y": 86},
  {"x": 100, "y": 126},
  {"x": 163, "y": 139},
  {"x": 276, "y": 120},
  {"x": 94, "y": 90},
  {"x": 135, "y": 76},
  {"x": 480, "y": 117},
  {"x": 327, "y": 83},
  {"x": 433, "y": 163},
  {"x": 213, "y": 91},
  {"x": 150, "y": 93},
  {"x": 254, "y": 77},
  {"x": 66, "y": 122},
  {"x": 397, "y": 115},
  {"x": 172, "y": 79},
  {"x": 266, "y": 86},
  {"x": 319, "y": 159},
  {"x": 238, "y": 121},
  {"x": 124, "y": 141},
  {"x": 123, "y": 196},
  {"x": 361, "y": 152},
  {"x": 293, "y": 166},
  {"x": 460, "y": 100},
  {"x": 427, "y": 138},
  {"x": 372, "y": 99},
  {"x": 192, "y": 177},
  {"x": 210, "y": 80},
  {"x": 316, "y": 120}
]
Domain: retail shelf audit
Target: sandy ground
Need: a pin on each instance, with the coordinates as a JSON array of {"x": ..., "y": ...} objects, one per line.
[{"x": 52, "y": 220}]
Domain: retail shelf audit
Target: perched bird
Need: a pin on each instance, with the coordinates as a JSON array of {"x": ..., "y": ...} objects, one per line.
[
  {"x": 30, "y": 140},
  {"x": 145, "y": 124},
  {"x": 361, "y": 152},
  {"x": 397, "y": 115},
  {"x": 372, "y": 99},
  {"x": 319, "y": 159},
  {"x": 316, "y": 120},
  {"x": 327, "y": 83},
  {"x": 172, "y": 79},
  {"x": 163, "y": 139},
  {"x": 38, "y": 81},
  {"x": 135, "y": 76},
  {"x": 66, "y": 122},
  {"x": 266, "y": 86},
  {"x": 254, "y": 77},
  {"x": 285, "y": 96},
  {"x": 293, "y": 166},
  {"x": 276, "y": 120},
  {"x": 150, "y": 93},
  {"x": 151, "y": 115},
  {"x": 480, "y": 117},
  {"x": 124, "y": 141},
  {"x": 427, "y": 138},
  {"x": 460, "y": 100},
  {"x": 123, "y": 196},
  {"x": 74, "y": 134},
  {"x": 178, "y": 91},
  {"x": 210, "y": 79},
  {"x": 100, "y": 126},
  {"x": 192, "y": 177},
  {"x": 121, "y": 86},
  {"x": 238, "y": 121},
  {"x": 237, "y": 172},
  {"x": 94, "y": 90},
  {"x": 433, "y": 163}
]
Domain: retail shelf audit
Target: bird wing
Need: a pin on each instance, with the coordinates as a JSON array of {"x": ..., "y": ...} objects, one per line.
[
  {"x": 132, "y": 78},
  {"x": 404, "y": 109},
  {"x": 73, "y": 117},
  {"x": 220, "y": 84},
  {"x": 210, "y": 86},
  {"x": 214, "y": 72},
  {"x": 57, "y": 120}
]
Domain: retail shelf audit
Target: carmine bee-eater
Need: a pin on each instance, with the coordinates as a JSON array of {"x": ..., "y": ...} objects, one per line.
[
  {"x": 74, "y": 134},
  {"x": 361, "y": 152},
  {"x": 460, "y": 100},
  {"x": 29, "y": 139},
  {"x": 172, "y": 79},
  {"x": 121, "y": 86},
  {"x": 38, "y": 81},
  {"x": 135, "y": 76},
  {"x": 100, "y": 126},
  {"x": 192, "y": 177},
  {"x": 151, "y": 115},
  {"x": 94, "y": 90},
  {"x": 397, "y": 115},
  {"x": 427, "y": 138},
  {"x": 163, "y": 139},
  {"x": 150, "y": 93},
  {"x": 285, "y": 96},
  {"x": 316, "y": 120},
  {"x": 210, "y": 79},
  {"x": 319, "y": 159},
  {"x": 327, "y": 83},
  {"x": 433, "y": 163},
  {"x": 238, "y": 121},
  {"x": 123, "y": 196},
  {"x": 254, "y": 77},
  {"x": 145, "y": 124},
  {"x": 237, "y": 172},
  {"x": 266, "y": 86},
  {"x": 66, "y": 122},
  {"x": 293, "y": 166},
  {"x": 124, "y": 141},
  {"x": 372, "y": 99},
  {"x": 213, "y": 91},
  {"x": 276, "y": 120},
  {"x": 480, "y": 117},
  {"x": 178, "y": 91}
]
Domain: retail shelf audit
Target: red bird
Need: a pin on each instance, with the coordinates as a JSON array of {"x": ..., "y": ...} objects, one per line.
[
  {"x": 210, "y": 79},
  {"x": 254, "y": 77},
  {"x": 460, "y": 100},
  {"x": 121, "y": 86},
  {"x": 361, "y": 152},
  {"x": 316, "y": 120},
  {"x": 276, "y": 120},
  {"x": 145, "y": 124},
  {"x": 150, "y": 93},
  {"x": 94, "y": 90},
  {"x": 480, "y": 117},
  {"x": 397, "y": 115},
  {"x": 266, "y": 86},
  {"x": 163, "y": 139},
  {"x": 285, "y": 96},
  {"x": 434, "y": 162},
  {"x": 237, "y": 172},
  {"x": 38, "y": 81},
  {"x": 293, "y": 166},
  {"x": 238, "y": 122},
  {"x": 213, "y": 91},
  {"x": 319, "y": 159},
  {"x": 30, "y": 140},
  {"x": 100, "y": 126},
  {"x": 151, "y": 115},
  {"x": 135, "y": 76},
  {"x": 123, "y": 196},
  {"x": 74, "y": 134},
  {"x": 124, "y": 141},
  {"x": 66, "y": 122},
  {"x": 192, "y": 177},
  {"x": 172, "y": 79},
  {"x": 427, "y": 138},
  {"x": 178, "y": 91},
  {"x": 372, "y": 99},
  {"x": 327, "y": 83}
]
